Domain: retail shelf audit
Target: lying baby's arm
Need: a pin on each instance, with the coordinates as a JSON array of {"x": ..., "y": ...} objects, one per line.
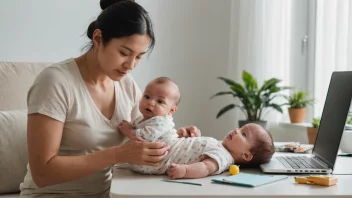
[{"x": 196, "y": 170}]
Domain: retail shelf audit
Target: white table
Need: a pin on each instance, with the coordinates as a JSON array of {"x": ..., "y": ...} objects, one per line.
[{"x": 132, "y": 185}]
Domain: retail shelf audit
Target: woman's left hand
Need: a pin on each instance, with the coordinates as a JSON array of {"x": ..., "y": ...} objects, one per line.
[{"x": 188, "y": 131}]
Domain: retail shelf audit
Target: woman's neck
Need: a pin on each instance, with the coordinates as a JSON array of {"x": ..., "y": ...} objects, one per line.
[{"x": 90, "y": 69}]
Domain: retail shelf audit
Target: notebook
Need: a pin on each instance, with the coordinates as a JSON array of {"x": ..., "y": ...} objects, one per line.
[{"x": 249, "y": 180}]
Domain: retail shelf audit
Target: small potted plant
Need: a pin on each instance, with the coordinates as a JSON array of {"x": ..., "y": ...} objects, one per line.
[
  {"x": 253, "y": 100},
  {"x": 298, "y": 103},
  {"x": 312, "y": 132}
]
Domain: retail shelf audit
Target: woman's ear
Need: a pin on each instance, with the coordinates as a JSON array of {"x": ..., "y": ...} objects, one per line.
[
  {"x": 247, "y": 156},
  {"x": 97, "y": 38}
]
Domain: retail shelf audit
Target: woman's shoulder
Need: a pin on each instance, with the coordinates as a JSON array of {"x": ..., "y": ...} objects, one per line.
[{"x": 59, "y": 72}]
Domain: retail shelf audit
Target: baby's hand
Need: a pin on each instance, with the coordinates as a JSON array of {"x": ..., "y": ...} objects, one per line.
[
  {"x": 176, "y": 171},
  {"x": 127, "y": 129}
]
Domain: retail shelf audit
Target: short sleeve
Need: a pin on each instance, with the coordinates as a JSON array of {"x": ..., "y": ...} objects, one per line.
[
  {"x": 137, "y": 94},
  {"x": 49, "y": 94},
  {"x": 217, "y": 152}
]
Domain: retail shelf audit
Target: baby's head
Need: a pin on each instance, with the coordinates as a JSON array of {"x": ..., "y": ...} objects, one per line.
[
  {"x": 160, "y": 98},
  {"x": 250, "y": 145}
]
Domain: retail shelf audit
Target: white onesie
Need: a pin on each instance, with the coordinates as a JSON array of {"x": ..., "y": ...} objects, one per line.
[{"x": 182, "y": 150}]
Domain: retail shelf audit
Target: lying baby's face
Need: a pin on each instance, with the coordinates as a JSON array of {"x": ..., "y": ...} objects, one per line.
[
  {"x": 158, "y": 100},
  {"x": 239, "y": 141}
]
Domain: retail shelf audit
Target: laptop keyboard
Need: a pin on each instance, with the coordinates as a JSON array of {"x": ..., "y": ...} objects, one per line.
[{"x": 299, "y": 162}]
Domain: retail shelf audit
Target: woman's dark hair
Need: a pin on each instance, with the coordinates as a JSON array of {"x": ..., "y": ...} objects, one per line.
[{"x": 122, "y": 18}]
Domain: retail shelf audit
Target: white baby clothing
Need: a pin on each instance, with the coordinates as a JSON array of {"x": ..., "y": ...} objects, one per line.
[{"x": 182, "y": 150}]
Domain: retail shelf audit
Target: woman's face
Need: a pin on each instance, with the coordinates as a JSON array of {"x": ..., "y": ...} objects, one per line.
[{"x": 120, "y": 56}]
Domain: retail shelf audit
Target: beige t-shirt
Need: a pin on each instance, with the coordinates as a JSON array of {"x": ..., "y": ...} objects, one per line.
[{"x": 60, "y": 93}]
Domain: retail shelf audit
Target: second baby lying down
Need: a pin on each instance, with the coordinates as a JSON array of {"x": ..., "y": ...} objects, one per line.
[{"x": 192, "y": 157}]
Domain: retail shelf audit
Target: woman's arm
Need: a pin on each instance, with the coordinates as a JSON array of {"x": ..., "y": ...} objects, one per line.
[
  {"x": 196, "y": 170},
  {"x": 47, "y": 168}
]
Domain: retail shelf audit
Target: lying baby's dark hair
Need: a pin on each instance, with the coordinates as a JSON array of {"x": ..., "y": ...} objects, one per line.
[{"x": 262, "y": 151}]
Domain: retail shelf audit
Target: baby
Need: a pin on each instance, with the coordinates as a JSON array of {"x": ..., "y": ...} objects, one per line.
[{"x": 192, "y": 157}]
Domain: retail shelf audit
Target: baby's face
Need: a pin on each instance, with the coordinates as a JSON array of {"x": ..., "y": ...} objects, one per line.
[
  {"x": 158, "y": 100},
  {"x": 241, "y": 140}
]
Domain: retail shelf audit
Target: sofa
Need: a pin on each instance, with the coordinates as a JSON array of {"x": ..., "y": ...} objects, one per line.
[{"x": 15, "y": 81}]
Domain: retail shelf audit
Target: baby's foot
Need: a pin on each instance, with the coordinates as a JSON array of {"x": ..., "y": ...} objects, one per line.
[{"x": 176, "y": 171}]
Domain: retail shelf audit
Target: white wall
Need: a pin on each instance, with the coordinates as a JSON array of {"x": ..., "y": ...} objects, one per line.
[
  {"x": 42, "y": 30},
  {"x": 192, "y": 47}
]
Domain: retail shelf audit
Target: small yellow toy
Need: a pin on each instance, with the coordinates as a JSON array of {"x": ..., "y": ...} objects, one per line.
[
  {"x": 234, "y": 169},
  {"x": 321, "y": 180}
]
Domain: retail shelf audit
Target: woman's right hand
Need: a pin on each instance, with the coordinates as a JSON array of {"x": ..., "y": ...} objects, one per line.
[{"x": 141, "y": 153}]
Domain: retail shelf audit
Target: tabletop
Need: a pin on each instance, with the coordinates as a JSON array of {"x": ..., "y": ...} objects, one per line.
[{"x": 126, "y": 183}]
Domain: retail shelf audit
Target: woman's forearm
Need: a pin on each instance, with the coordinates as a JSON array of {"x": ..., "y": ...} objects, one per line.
[{"x": 61, "y": 169}]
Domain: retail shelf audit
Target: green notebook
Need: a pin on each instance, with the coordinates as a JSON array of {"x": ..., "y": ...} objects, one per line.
[{"x": 249, "y": 180}]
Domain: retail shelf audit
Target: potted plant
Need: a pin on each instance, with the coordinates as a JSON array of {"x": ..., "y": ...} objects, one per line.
[
  {"x": 298, "y": 102},
  {"x": 312, "y": 132},
  {"x": 252, "y": 99}
]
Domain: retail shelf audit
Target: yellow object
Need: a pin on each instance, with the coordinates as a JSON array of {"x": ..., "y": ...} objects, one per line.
[
  {"x": 234, "y": 169},
  {"x": 321, "y": 180}
]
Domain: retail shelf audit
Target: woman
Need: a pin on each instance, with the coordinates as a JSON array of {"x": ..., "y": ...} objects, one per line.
[{"x": 74, "y": 108}]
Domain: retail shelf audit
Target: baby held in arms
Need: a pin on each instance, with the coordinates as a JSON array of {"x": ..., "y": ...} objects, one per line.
[{"x": 192, "y": 157}]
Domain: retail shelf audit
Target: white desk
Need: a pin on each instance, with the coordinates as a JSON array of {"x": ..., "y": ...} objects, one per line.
[{"x": 132, "y": 185}]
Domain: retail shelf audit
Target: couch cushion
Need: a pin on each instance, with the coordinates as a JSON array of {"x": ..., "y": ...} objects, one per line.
[
  {"x": 15, "y": 81},
  {"x": 16, "y": 195},
  {"x": 13, "y": 149}
]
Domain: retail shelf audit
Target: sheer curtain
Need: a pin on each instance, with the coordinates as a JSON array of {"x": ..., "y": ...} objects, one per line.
[
  {"x": 333, "y": 45},
  {"x": 260, "y": 42}
]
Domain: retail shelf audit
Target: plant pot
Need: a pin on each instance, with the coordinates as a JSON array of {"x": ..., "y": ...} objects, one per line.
[
  {"x": 297, "y": 115},
  {"x": 312, "y": 134},
  {"x": 262, "y": 123}
]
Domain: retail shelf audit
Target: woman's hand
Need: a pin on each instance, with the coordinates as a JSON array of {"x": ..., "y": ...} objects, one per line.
[
  {"x": 189, "y": 131},
  {"x": 141, "y": 153}
]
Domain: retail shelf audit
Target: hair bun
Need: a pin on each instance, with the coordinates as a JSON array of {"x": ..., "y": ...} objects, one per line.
[{"x": 106, "y": 3}]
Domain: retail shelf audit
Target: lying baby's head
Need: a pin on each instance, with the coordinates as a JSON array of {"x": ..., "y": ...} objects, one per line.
[
  {"x": 160, "y": 98},
  {"x": 250, "y": 145}
]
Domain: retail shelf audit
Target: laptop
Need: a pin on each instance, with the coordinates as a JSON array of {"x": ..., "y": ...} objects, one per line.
[{"x": 332, "y": 124}]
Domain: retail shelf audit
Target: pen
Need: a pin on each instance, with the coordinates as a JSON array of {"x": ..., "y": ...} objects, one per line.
[
  {"x": 183, "y": 182},
  {"x": 345, "y": 155}
]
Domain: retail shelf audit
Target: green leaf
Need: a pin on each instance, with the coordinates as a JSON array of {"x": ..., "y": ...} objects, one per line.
[
  {"x": 228, "y": 81},
  {"x": 225, "y": 109},
  {"x": 238, "y": 89},
  {"x": 250, "y": 83},
  {"x": 277, "y": 107},
  {"x": 270, "y": 83},
  {"x": 224, "y": 93},
  {"x": 299, "y": 100}
]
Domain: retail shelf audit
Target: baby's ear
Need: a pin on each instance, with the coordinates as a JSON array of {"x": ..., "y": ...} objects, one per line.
[
  {"x": 247, "y": 156},
  {"x": 173, "y": 110}
]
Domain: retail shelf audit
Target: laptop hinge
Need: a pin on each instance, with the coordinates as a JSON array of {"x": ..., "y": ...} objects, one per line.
[{"x": 320, "y": 161}]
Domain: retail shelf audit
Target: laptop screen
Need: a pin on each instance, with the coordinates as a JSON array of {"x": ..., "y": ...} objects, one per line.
[{"x": 333, "y": 119}]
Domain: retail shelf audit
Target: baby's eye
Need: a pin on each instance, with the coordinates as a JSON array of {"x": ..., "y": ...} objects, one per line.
[
  {"x": 244, "y": 135},
  {"x": 160, "y": 102},
  {"x": 146, "y": 97}
]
